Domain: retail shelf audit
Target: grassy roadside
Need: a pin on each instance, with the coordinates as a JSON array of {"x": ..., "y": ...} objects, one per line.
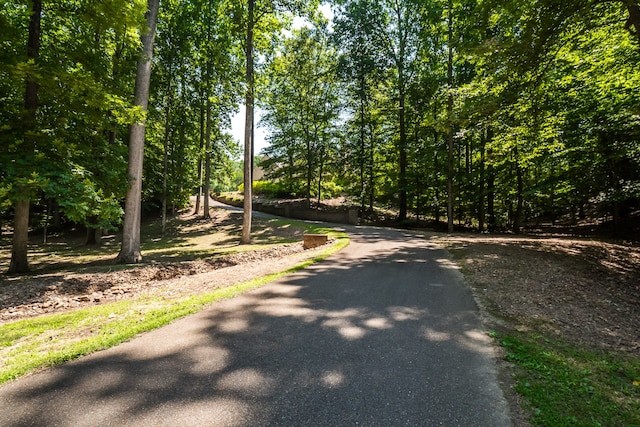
[
  {"x": 566, "y": 385},
  {"x": 564, "y": 379},
  {"x": 32, "y": 344}
]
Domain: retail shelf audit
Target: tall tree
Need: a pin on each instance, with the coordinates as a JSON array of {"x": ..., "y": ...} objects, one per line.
[
  {"x": 248, "y": 126},
  {"x": 450, "y": 195},
  {"x": 130, "y": 250},
  {"x": 19, "y": 260},
  {"x": 269, "y": 14}
]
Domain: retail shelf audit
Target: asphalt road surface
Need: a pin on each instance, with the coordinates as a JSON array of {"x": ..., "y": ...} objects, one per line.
[{"x": 384, "y": 333}]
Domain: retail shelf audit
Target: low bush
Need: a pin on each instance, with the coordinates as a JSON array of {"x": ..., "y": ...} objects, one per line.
[{"x": 267, "y": 189}]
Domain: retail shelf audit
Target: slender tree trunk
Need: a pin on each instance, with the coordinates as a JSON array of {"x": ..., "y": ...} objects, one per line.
[
  {"x": 47, "y": 215},
  {"x": 436, "y": 187},
  {"x": 481, "y": 189},
  {"x": 491, "y": 196},
  {"x": 402, "y": 215},
  {"x": 207, "y": 162},
  {"x": 460, "y": 183},
  {"x": 403, "y": 156},
  {"x": 372, "y": 159},
  {"x": 309, "y": 170},
  {"x": 418, "y": 197},
  {"x": 165, "y": 164},
  {"x": 248, "y": 130},
  {"x": 436, "y": 170},
  {"x": 19, "y": 260},
  {"x": 200, "y": 152},
  {"x": 450, "y": 120},
  {"x": 321, "y": 166},
  {"x": 130, "y": 251},
  {"x": 178, "y": 158},
  {"x": 518, "y": 216},
  {"x": 362, "y": 148}
]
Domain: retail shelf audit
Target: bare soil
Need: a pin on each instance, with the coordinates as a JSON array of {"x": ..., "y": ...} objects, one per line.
[{"x": 586, "y": 291}]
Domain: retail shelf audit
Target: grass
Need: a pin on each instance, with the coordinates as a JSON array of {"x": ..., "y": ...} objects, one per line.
[
  {"x": 32, "y": 344},
  {"x": 569, "y": 386}
]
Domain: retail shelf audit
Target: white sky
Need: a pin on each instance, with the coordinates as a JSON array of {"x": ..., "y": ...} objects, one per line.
[
  {"x": 237, "y": 129},
  {"x": 237, "y": 121}
]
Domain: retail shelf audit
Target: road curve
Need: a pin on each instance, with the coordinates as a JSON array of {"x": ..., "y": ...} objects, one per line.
[{"x": 384, "y": 333}]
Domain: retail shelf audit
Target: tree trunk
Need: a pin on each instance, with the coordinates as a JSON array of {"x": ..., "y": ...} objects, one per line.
[
  {"x": 321, "y": 167},
  {"x": 248, "y": 130},
  {"x": 19, "y": 260},
  {"x": 481, "y": 189},
  {"x": 130, "y": 250},
  {"x": 372, "y": 160},
  {"x": 207, "y": 162},
  {"x": 199, "y": 195},
  {"x": 402, "y": 215},
  {"x": 518, "y": 216},
  {"x": 403, "y": 156},
  {"x": 165, "y": 164},
  {"x": 94, "y": 236},
  {"x": 634, "y": 18},
  {"x": 461, "y": 195},
  {"x": 47, "y": 215},
  {"x": 450, "y": 120},
  {"x": 436, "y": 187},
  {"x": 362, "y": 147},
  {"x": 309, "y": 171},
  {"x": 491, "y": 195}
]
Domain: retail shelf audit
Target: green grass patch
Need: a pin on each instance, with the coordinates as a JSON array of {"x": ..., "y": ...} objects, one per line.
[
  {"x": 32, "y": 344},
  {"x": 568, "y": 386}
]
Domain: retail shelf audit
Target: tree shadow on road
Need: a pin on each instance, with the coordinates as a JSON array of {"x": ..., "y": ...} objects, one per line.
[{"x": 387, "y": 339}]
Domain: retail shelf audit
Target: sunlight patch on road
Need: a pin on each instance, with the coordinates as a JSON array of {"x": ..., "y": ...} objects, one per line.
[
  {"x": 206, "y": 359},
  {"x": 234, "y": 325},
  {"x": 436, "y": 336},
  {"x": 333, "y": 379},
  {"x": 378, "y": 323},
  {"x": 345, "y": 328},
  {"x": 403, "y": 314},
  {"x": 476, "y": 340},
  {"x": 249, "y": 380}
]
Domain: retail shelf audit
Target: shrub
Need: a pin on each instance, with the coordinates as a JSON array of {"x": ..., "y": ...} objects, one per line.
[{"x": 267, "y": 188}]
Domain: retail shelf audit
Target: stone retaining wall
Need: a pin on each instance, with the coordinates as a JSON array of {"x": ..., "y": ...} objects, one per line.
[{"x": 342, "y": 216}]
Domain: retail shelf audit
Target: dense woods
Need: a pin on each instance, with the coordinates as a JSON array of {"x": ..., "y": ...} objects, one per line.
[{"x": 490, "y": 114}]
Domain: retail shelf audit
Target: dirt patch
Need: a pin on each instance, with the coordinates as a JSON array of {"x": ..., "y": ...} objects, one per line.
[
  {"x": 586, "y": 291},
  {"x": 28, "y": 297}
]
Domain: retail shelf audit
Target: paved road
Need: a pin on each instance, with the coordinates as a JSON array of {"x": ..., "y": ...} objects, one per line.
[{"x": 381, "y": 334}]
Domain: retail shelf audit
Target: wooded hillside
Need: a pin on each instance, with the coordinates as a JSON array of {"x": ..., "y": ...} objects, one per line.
[{"x": 489, "y": 114}]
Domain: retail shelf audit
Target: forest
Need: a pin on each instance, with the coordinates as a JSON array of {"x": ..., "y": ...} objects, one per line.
[{"x": 482, "y": 113}]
